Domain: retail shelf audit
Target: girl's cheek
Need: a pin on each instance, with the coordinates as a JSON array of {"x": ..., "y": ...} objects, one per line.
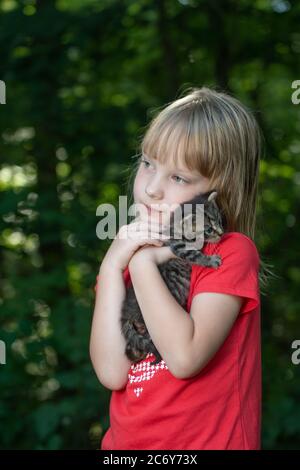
[
  {"x": 137, "y": 184},
  {"x": 139, "y": 187}
]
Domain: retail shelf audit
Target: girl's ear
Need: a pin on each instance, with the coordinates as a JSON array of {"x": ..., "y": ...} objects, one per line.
[{"x": 212, "y": 195}]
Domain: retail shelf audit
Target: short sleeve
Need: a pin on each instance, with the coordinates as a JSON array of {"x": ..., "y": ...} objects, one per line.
[
  {"x": 126, "y": 277},
  {"x": 237, "y": 275}
]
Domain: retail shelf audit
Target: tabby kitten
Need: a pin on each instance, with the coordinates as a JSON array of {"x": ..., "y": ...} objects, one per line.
[{"x": 176, "y": 272}]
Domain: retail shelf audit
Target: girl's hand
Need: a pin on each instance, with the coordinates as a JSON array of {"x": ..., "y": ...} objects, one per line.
[
  {"x": 131, "y": 238},
  {"x": 155, "y": 255}
]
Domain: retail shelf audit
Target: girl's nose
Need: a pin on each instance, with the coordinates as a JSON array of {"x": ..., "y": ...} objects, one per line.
[{"x": 155, "y": 192}]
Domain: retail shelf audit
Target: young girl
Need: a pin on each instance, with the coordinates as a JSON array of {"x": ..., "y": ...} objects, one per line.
[{"x": 206, "y": 391}]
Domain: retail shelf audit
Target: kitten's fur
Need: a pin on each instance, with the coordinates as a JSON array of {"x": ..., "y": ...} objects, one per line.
[{"x": 176, "y": 272}]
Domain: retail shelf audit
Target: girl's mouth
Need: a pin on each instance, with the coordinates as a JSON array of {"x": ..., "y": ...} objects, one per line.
[
  {"x": 154, "y": 213},
  {"x": 151, "y": 210}
]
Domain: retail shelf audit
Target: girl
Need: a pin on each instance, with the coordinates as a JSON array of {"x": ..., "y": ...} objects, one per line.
[{"x": 206, "y": 392}]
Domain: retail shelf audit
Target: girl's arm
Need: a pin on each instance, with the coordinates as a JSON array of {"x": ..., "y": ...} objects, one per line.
[
  {"x": 168, "y": 324},
  {"x": 107, "y": 344},
  {"x": 186, "y": 342}
]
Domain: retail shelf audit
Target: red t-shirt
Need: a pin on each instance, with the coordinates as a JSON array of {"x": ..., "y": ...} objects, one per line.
[{"x": 220, "y": 408}]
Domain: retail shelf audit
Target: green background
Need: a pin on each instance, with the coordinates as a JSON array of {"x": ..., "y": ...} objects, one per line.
[{"x": 82, "y": 79}]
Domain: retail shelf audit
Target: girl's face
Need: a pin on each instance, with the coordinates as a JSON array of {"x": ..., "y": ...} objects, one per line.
[{"x": 159, "y": 186}]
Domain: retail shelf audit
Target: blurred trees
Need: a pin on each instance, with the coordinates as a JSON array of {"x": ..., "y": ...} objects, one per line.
[{"x": 82, "y": 78}]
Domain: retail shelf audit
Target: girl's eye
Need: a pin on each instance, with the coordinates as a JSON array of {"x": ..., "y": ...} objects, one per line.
[
  {"x": 180, "y": 180},
  {"x": 145, "y": 163}
]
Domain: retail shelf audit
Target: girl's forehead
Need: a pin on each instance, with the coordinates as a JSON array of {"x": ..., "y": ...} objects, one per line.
[
  {"x": 172, "y": 149},
  {"x": 172, "y": 164}
]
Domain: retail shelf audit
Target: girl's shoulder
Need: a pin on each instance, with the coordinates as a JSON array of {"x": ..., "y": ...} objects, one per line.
[
  {"x": 239, "y": 236},
  {"x": 233, "y": 242},
  {"x": 238, "y": 273}
]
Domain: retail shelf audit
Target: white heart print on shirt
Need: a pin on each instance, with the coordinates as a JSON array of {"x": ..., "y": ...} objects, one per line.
[{"x": 144, "y": 371}]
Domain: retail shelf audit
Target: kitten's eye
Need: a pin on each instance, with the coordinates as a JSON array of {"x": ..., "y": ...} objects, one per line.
[{"x": 209, "y": 230}]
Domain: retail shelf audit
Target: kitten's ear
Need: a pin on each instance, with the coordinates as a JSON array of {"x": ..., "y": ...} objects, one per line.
[{"x": 212, "y": 195}]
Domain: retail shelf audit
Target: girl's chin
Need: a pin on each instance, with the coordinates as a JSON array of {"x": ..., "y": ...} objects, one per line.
[
  {"x": 160, "y": 217},
  {"x": 156, "y": 217}
]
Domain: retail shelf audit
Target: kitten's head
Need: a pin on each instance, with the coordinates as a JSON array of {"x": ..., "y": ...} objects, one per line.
[{"x": 184, "y": 219}]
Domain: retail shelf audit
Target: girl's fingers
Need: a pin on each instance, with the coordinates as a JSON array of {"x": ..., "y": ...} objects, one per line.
[
  {"x": 153, "y": 236},
  {"x": 144, "y": 235},
  {"x": 145, "y": 225},
  {"x": 143, "y": 238},
  {"x": 151, "y": 230},
  {"x": 152, "y": 242}
]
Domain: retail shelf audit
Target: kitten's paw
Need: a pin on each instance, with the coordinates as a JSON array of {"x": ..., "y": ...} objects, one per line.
[{"x": 215, "y": 261}]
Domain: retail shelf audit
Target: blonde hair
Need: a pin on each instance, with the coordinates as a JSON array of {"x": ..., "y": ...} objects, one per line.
[{"x": 218, "y": 136}]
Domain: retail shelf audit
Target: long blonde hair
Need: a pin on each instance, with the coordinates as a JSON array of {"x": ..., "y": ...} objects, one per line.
[{"x": 215, "y": 134}]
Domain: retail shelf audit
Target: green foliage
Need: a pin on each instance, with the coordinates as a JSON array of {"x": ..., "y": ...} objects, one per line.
[{"x": 82, "y": 78}]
